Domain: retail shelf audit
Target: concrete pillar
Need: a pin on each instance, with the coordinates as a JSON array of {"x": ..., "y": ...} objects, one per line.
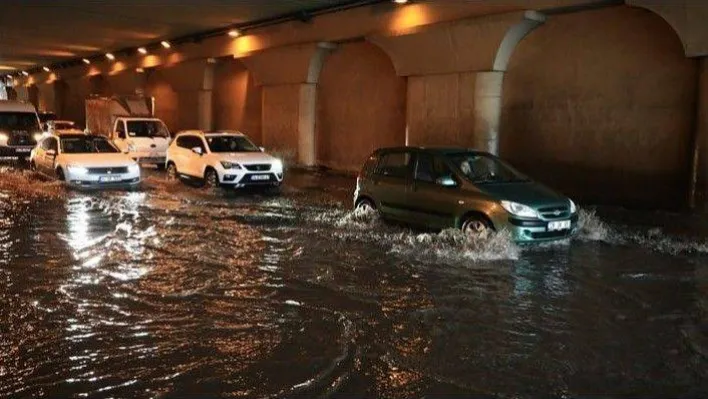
[
  {"x": 698, "y": 195},
  {"x": 289, "y": 77},
  {"x": 487, "y": 110},
  {"x": 306, "y": 126},
  {"x": 205, "y": 98}
]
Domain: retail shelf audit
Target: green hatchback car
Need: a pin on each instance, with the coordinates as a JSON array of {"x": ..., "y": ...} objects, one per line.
[{"x": 457, "y": 187}]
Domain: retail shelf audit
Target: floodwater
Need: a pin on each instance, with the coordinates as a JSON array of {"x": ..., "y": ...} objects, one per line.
[{"x": 173, "y": 291}]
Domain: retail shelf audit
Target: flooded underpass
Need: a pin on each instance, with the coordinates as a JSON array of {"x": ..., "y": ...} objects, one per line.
[{"x": 172, "y": 291}]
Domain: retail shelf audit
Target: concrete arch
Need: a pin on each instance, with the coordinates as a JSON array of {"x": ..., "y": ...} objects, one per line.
[
  {"x": 686, "y": 18},
  {"x": 612, "y": 123},
  {"x": 530, "y": 21},
  {"x": 361, "y": 105}
]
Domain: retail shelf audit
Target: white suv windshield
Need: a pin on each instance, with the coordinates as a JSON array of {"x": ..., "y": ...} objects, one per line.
[
  {"x": 231, "y": 144},
  {"x": 147, "y": 129}
]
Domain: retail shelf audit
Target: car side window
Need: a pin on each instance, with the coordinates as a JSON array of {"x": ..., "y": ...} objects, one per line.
[
  {"x": 395, "y": 164},
  {"x": 430, "y": 168},
  {"x": 183, "y": 141},
  {"x": 120, "y": 129}
]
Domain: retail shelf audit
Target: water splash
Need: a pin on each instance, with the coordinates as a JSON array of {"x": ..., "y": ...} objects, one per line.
[
  {"x": 454, "y": 244},
  {"x": 591, "y": 227},
  {"x": 30, "y": 185}
]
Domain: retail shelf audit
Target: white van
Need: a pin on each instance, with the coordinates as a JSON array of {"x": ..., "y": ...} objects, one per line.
[{"x": 19, "y": 128}]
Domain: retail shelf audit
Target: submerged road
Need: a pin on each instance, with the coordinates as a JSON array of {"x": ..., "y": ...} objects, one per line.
[{"x": 174, "y": 290}]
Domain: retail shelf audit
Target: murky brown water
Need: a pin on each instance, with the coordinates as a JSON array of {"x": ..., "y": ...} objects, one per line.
[{"x": 174, "y": 291}]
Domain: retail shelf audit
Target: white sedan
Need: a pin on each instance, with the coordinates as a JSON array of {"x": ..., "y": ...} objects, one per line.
[
  {"x": 84, "y": 161},
  {"x": 223, "y": 159}
]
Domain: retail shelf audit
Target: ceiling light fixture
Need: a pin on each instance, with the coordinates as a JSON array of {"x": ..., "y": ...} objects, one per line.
[
  {"x": 86, "y": 61},
  {"x": 400, "y": 1},
  {"x": 139, "y": 70},
  {"x": 110, "y": 56},
  {"x": 46, "y": 69},
  {"x": 25, "y": 73},
  {"x": 234, "y": 33},
  {"x": 165, "y": 44},
  {"x": 142, "y": 50}
]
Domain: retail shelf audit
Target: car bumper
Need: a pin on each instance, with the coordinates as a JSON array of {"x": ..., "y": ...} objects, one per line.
[
  {"x": 124, "y": 180},
  {"x": 536, "y": 230},
  {"x": 15, "y": 151},
  {"x": 249, "y": 179},
  {"x": 151, "y": 158}
]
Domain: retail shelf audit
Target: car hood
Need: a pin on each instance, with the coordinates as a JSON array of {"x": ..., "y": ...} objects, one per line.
[
  {"x": 97, "y": 160},
  {"x": 245, "y": 157},
  {"x": 527, "y": 193}
]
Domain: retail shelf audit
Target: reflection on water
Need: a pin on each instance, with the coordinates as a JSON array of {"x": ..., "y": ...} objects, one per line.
[{"x": 175, "y": 291}]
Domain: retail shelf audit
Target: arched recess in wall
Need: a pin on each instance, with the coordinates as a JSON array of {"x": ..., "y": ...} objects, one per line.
[
  {"x": 361, "y": 106},
  {"x": 237, "y": 100},
  {"x": 599, "y": 104},
  {"x": 158, "y": 85}
]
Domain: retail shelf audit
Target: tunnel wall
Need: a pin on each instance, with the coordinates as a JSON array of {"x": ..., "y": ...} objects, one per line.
[
  {"x": 237, "y": 99},
  {"x": 280, "y": 119},
  {"x": 361, "y": 106},
  {"x": 601, "y": 104},
  {"x": 440, "y": 109}
]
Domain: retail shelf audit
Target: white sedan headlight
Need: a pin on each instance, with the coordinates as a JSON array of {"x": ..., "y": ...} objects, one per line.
[
  {"x": 134, "y": 168},
  {"x": 278, "y": 165},
  {"x": 573, "y": 207},
  {"x": 519, "y": 209},
  {"x": 78, "y": 170}
]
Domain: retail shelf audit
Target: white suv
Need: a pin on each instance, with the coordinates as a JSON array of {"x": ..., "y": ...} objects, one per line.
[{"x": 222, "y": 159}]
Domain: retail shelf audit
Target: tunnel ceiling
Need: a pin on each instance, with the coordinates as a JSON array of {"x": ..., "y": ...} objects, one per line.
[{"x": 35, "y": 33}]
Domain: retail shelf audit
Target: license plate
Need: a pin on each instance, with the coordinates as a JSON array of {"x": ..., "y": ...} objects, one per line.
[
  {"x": 108, "y": 179},
  {"x": 260, "y": 177},
  {"x": 559, "y": 225},
  {"x": 23, "y": 150}
]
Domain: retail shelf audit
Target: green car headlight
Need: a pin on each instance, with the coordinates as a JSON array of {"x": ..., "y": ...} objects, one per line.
[
  {"x": 521, "y": 210},
  {"x": 573, "y": 207}
]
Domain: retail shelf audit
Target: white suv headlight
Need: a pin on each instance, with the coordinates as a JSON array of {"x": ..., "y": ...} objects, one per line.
[
  {"x": 230, "y": 165},
  {"x": 519, "y": 209},
  {"x": 573, "y": 207},
  {"x": 79, "y": 170},
  {"x": 278, "y": 165},
  {"x": 134, "y": 168}
]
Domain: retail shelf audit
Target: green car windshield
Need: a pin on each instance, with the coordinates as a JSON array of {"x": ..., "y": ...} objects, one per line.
[{"x": 482, "y": 168}]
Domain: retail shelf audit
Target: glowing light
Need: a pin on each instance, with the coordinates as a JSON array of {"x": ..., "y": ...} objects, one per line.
[
  {"x": 139, "y": 70},
  {"x": 234, "y": 33},
  {"x": 400, "y": 1},
  {"x": 46, "y": 69},
  {"x": 86, "y": 61},
  {"x": 165, "y": 44},
  {"x": 25, "y": 73},
  {"x": 110, "y": 56},
  {"x": 142, "y": 50}
]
